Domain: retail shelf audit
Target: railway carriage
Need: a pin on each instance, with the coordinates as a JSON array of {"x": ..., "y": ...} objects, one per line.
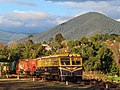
[
  {"x": 7, "y": 67},
  {"x": 61, "y": 67},
  {"x": 26, "y": 66}
]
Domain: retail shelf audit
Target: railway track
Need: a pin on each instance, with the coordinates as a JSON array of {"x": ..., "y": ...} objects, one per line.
[
  {"x": 58, "y": 84},
  {"x": 86, "y": 83}
]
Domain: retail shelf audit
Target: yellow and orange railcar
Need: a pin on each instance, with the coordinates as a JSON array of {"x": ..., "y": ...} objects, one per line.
[{"x": 63, "y": 67}]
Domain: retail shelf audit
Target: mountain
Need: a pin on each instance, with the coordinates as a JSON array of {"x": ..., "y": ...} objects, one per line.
[
  {"x": 6, "y": 36},
  {"x": 83, "y": 25}
]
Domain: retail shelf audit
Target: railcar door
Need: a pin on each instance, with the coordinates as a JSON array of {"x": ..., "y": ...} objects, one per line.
[{"x": 64, "y": 72}]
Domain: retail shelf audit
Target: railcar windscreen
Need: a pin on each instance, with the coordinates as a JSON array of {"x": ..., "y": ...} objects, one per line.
[
  {"x": 65, "y": 60},
  {"x": 76, "y": 61}
]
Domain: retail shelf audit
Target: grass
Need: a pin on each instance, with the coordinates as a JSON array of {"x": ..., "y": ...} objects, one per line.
[{"x": 113, "y": 78}]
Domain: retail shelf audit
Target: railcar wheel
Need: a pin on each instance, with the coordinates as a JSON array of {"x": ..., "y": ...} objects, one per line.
[
  {"x": 57, "y": 77},
  {"x": 62, "y": 78},
  {"x": 78, "y": 78}
]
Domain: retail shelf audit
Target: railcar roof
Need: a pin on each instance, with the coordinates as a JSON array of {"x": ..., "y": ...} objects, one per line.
[{"x": 61, "y": 55}]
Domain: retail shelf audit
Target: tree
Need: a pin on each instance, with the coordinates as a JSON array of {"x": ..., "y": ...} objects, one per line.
[
  {"x": 13, "y": 55},
  {"x": 30, "y": 38},
  {"x": 55, "y": 45},
  {"x": 12, "y": 44},
  {"x": 84, "y": 40},
  {"x": 3, "y": 54},
  {"x": 51, "y": 39},
  {"x": 115, "y": 69},
  {"x": 59, "y": 38},
  {"x": 96, "y": 37},
  {"x": 70, "y": 44},
  {"x": 2, "y": 45},
  {"x": 106, "y": 59}
]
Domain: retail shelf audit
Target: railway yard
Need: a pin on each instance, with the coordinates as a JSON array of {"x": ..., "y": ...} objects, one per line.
[
  {"x": 54, "y": 73},
  {"x": 38, "y": 84}
]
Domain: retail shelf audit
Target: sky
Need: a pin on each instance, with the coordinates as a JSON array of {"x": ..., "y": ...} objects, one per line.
[{"x": 35, "y": 16}]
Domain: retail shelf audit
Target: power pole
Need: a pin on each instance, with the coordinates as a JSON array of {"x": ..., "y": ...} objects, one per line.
[
  {"x": 119, "y": 48},
  {"x": 0, "y": 70}
]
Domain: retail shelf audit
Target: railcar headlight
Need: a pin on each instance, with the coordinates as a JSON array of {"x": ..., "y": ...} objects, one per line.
[{"x": 70, "y": 55}]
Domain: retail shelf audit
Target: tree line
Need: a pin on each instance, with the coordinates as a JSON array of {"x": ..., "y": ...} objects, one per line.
[{"x": 94, "y": 51}]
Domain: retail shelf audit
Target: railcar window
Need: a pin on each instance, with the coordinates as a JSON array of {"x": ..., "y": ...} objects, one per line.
[
  {"x": 43, "y": 62},
  {"x": 76, "y": 61},
  {"x": 65, "y": 61},
  {"x": 55, "y": 61},
  {"x": 46, "y": 62}
]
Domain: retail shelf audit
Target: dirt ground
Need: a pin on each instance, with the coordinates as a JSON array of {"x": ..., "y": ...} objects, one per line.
[{"x": 29, "y": 84}]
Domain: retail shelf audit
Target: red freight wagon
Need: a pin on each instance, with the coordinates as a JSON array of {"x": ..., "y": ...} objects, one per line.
[
  {"x": 26, "y": 66},
  {"x": 32, "y": 65}
]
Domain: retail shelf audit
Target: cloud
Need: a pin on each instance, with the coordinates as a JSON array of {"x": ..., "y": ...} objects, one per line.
[
  {"x": 24, "y": 3},
  {"x": 5, "y": 22},
  {"x": 22, "y": 21},
  {"x": 108, "y": 7},
  {"x": 118, "y": 20},
  {"x": 74, "y": 0},
  {"x": 29, "y": 15}
]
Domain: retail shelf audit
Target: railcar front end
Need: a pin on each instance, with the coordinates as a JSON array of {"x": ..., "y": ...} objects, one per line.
[{"x": 60, "y": 67}]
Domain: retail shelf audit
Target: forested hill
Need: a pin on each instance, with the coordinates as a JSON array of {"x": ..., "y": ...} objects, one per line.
[
  {"x": 83, "y": 25},
  {"x": 6, "y": 36}
]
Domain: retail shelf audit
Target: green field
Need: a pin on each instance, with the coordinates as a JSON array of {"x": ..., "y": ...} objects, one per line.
[{"x": 113, "y": 78}]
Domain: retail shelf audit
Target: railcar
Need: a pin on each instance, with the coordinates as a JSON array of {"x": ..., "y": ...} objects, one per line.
[
  {"x": 26, "y": 66},
  {"x": 4, "y": 68},
  {"x": 7, "y": 67},
  {"x": 12, "y": 67},
  {"x": 60, "y": 67}
]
